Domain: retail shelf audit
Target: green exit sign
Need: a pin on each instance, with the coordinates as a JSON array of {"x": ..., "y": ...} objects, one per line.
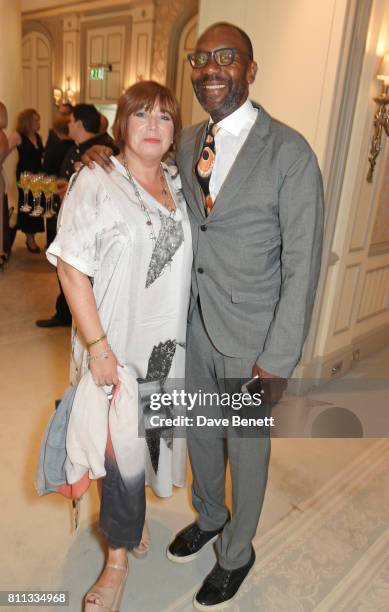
[{"x": 96, "y": 74}]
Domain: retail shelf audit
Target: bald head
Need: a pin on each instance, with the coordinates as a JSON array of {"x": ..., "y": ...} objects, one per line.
[
  {"x": 224, "y": 25},
  {"x": 221, "y": 86}
]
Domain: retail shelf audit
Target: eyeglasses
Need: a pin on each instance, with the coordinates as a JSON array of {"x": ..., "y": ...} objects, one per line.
[{"x": 223, "y": 57}]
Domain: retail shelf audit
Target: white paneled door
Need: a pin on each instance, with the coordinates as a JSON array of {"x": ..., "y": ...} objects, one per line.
[
  {"x": 37, "y": 83},
  {"x": 105, "y": 47}
]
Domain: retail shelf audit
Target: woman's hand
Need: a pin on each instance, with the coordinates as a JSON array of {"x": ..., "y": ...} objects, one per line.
[{"x": 104, "y": 370}]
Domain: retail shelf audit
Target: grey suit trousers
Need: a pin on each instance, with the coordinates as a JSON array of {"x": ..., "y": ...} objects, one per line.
[{"x": 211, "y": 448}]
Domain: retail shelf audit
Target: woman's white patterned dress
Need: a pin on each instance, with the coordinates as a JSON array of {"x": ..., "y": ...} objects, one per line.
[{"x": 141, "y": 286}]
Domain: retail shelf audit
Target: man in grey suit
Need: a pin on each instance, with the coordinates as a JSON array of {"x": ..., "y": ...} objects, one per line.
[{"x": 257, "y": 228}]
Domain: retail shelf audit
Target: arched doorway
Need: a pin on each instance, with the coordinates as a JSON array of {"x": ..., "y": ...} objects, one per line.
[
  {"x": 184, "y": 91},
  {"x": 37, "y": 82}
]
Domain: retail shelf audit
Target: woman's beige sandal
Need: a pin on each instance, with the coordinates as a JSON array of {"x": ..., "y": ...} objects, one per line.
[{"x": 108, "y": 599}]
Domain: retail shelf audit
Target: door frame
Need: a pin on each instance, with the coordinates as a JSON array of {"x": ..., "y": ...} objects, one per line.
[{"x": 351, "y": 55}]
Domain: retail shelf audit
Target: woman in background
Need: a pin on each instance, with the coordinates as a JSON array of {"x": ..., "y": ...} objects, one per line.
[
  {"x": 4, "y": 150},
  {"x": 30, "y": 150}
]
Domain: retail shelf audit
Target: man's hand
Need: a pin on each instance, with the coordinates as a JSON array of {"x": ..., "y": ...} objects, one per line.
[
  {"x": 62, "y": 185},
  {"x": 100, "y": 155},
  {"x": 273, "y": 386}
]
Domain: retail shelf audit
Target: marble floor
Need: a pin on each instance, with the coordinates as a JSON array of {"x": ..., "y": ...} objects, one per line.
[{"x": 39, "y": 548}]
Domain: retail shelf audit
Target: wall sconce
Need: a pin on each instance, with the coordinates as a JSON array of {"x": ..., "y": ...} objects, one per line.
[
  {"x": 381, "y": 117},
  {"x": 70, "y": 95},
  {"x": 57, "y": 95}
]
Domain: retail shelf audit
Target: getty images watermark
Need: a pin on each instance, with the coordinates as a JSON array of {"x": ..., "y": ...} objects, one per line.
[{"x": 183, "y": 399}]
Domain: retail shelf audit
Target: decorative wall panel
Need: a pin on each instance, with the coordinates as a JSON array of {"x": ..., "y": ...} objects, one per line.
[
  {"x": 113, "y": 85},
  {"x": 105, "y": 47},
  {"x": 141, "y": 45},
  {"x": 43, "y": 87},
  {"x": 27, "y": 86},
  {"x": 380, "y": 235},
  {"x": 169, "y": 15},
  {"x": 375, "y": 293},
  {"x": 36, "y": 66},
  {"x": 96, "y": 49},
  {"x": 26, "y": 50},
  {"x": 346, "y": 299},
  {"x": 71, "y": 55},
  {"x": 114, "y": 48},
  {"x": 42, "y": 50},
  {"x": 184, "y": 89},
  {"x": 362, "y": 215}
]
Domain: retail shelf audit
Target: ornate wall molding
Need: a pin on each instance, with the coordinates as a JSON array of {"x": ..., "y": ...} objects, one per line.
[{"x": 170, "y": 18}]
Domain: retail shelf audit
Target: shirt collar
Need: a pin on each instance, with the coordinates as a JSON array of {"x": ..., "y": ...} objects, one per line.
[{"x": 238, "y": 120}]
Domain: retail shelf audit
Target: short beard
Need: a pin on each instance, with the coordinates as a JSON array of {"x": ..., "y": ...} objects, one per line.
[{"x": 230, "y": 103}]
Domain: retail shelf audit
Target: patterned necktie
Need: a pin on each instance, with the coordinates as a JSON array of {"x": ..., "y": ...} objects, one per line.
[{"x": 205, "y": 165}]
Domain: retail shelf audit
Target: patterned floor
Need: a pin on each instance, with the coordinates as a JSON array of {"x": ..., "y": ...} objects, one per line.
[
  {"x": 322, "y": 539},
  {"x": 329, "y": 554}
]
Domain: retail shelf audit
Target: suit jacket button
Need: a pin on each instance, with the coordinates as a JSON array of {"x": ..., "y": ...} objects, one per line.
[
  {"x": 203, "y": 228},
  {"x": 200, "y": 270}
]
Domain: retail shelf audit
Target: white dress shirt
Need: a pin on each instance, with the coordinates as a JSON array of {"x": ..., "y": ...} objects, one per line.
[{"x": 232, "y": 133}]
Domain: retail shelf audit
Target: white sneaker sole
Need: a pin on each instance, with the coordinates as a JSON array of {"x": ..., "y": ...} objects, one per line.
[
  {"x": 189, "y": 558},
  {"x": 220, "y": 606}
]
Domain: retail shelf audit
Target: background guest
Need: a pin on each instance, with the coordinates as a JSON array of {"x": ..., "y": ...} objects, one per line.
[
  {"x": 30, "y": 150},
  {"x": 84, "y": 126},
  {"x": 104, "y": 124},
  {"x": 64, "y": 109},
  {"x": 57, "y": 145},
  {"x": 4, "y": 149}
]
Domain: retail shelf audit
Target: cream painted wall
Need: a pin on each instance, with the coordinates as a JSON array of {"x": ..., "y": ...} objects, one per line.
[
  {"x": 296, "y": 44},
  {"x": 10, "y": 87}
]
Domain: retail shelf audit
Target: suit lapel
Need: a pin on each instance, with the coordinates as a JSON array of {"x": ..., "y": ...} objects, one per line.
[
  {"x": 187, "y": 157},
  {"x": 243, "y": 165},
  {"x": 198, "y": 195},
  {"x": 245, "y": 161}
]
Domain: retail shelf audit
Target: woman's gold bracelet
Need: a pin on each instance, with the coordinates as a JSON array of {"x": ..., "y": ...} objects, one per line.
[{"x": 93, "y": 342}]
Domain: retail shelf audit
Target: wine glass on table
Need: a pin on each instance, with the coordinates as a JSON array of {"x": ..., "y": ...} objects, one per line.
[
  {"x": 36, "y": 186},
  {"x": 54, "y": 192},
  {"x": 24, "y": 183},
  {"x": 49, "y": 185}
]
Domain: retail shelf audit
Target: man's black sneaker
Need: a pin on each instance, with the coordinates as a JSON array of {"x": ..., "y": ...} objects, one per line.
[
  {"x": 189, "y": 542},
  {"x": 221, "y": 585}
]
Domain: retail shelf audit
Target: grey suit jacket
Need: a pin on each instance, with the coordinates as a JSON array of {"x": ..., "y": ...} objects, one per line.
[{"x": 257, "y": 256}]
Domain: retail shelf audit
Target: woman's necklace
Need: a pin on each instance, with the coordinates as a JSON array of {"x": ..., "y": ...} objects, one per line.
[
  {"x": 141, "y": 203},
  {"x": 165, "y": 194}
]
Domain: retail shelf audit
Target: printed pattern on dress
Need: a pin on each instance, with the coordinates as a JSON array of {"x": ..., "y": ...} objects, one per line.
[{"x": 169, "y": 240}]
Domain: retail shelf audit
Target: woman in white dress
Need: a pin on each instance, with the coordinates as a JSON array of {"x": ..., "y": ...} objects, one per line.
[{"x": 123, "y": 251}]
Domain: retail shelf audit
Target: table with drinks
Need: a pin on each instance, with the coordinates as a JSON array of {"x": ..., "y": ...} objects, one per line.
[{"x": 40, "y": 185}]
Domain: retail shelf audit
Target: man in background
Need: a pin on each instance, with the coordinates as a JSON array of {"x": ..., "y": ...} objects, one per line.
[{"x": 84, "y": 129}]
